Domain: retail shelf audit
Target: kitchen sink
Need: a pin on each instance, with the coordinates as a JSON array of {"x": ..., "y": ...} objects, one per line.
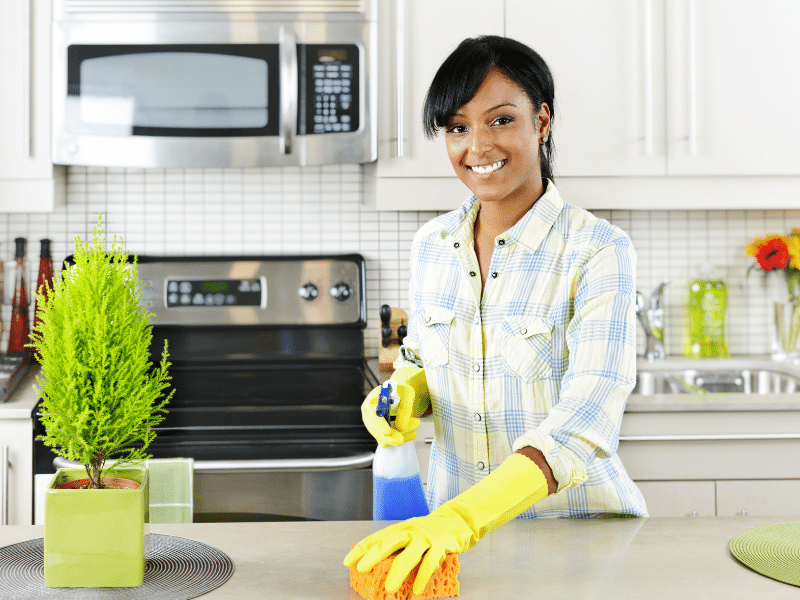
[{"x": 758, "y": 380}]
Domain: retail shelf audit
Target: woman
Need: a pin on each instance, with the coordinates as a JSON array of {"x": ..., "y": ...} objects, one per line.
[{"x": 522, "y": 334}]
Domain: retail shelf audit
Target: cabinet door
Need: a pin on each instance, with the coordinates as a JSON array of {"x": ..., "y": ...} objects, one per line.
[
  {"x": 25, "y": 78},
  {"x": 767, "y": 498},
  {"x": 678, "y": 498},
  {"x": 607, "y": 60},
  {"x": 733, "y": 89},
  {"x": 412, "y": 49},
  {"x": 17, "y": 436}
]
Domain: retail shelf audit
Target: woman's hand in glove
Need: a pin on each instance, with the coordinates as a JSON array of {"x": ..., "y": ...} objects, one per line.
[{"x": 455, "y": 526}]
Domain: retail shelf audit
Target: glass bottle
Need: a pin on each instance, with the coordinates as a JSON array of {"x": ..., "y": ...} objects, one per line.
[
  {"x": 2, "y": 296},
  {"x": 19, "y": 330},
  {"x": 45, "y": 279}
]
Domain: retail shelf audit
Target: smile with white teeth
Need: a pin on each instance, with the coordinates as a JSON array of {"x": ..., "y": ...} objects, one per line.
[{"x": 484, "y": 169}]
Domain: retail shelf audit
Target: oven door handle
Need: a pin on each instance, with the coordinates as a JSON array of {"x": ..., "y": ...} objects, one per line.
[{"x": 346, "y": 463}]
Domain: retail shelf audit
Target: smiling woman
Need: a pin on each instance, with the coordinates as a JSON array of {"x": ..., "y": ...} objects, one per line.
[{"x": 540, "y": 354}]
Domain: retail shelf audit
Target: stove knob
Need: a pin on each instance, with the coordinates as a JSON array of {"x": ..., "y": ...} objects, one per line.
[
  {"x": 308, "y": 291},
  {"x": 341, "y": 291}
]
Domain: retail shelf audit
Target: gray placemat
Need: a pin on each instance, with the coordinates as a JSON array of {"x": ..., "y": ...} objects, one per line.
[
  {"x": 772, "y": 550},
  {"x": 177, "y": 569}
]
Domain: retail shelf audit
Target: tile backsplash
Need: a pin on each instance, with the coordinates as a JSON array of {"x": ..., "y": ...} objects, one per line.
[{"x": 321, "y": 210}]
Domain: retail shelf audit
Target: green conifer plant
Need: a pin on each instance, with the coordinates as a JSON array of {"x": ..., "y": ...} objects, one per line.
[{"x": 101, "y": 394}]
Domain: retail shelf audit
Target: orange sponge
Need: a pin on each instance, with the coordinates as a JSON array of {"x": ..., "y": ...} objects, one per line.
[{"x": 371, "y": 585}]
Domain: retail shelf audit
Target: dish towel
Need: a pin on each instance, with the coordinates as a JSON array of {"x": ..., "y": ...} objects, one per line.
[{"x": 171, "y": 490}]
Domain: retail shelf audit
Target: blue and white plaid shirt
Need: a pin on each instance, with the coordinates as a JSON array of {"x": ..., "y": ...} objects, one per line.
[{"x": 546, "y": 357}]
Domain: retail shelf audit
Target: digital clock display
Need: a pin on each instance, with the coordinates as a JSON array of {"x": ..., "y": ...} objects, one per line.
[{"x": 218, "y": 292}]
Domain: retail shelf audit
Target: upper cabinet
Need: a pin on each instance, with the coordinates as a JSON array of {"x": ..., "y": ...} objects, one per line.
[
  {"x": 659, "y": 103},
  {"x": 28, "y": 180},
  {"x": 415, "y": 38}
]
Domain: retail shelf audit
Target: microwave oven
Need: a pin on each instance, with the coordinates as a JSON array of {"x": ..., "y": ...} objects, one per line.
[{"x": 218, "y": 83}]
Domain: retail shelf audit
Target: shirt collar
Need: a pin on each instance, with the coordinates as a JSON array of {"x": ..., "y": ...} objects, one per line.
[{"x": 529, "y": 231}]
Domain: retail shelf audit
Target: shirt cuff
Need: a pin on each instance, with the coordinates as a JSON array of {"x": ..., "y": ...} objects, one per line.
[{"x": 568, "y": 471}]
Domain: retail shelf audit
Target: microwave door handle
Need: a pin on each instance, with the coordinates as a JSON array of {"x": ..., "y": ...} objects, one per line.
[{"x": 288, "y": 83}]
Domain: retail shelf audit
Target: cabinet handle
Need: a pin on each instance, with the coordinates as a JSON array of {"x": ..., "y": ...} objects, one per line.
[
  {"x": 400, "y": 67},
  {"x": 4, "y": 486},
  {"x": 288, "y": 67},
  {"x": 691, "y": 86},
  {"x": 744, "y": 512},
  {"x": 647, "y": 34},
  {"x": 428, "y": 440},
  {"x": 695, "y": 513},
  {"x": 710, "y": 437},
  {"x": 26, "y": 78}
]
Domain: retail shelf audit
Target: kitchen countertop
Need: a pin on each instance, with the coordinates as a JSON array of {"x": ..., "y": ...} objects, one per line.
[
  {"x": 554, "y": 559},
  {"x": 21, "y": 402}
]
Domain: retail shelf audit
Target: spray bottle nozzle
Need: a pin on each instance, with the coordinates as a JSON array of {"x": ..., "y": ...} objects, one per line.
[{"x": 385, "y": 403}]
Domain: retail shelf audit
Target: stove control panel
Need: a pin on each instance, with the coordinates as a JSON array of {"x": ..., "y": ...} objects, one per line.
[{"x": 254, "y": 291}]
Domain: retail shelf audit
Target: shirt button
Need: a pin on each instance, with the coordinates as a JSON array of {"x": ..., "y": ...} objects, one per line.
[
  {"x": 472, "y": 273},
  {"x": 456, "y": 245},
  {"x": 501, "y": 241},
  {"x": 481, "y": 466},
  {"x": 523, "y": 331},
  {"x": 477, "y": 416},
  {"x": 494, "y": 275},
  {"x": 427, "y": 319},
  {"x": 476, "y": 368}
]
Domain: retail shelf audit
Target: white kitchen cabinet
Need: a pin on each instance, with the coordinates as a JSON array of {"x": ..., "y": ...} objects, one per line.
[
  {"x": 726, "y": 75},
  {"x": 732, "y": 87},
  {"x": 17, "y": 436},
  {"x": 679, "y": 498},
  {"x": 607, "y": 60},
  {"x": 28, "y": 180},
  {"x": 758, "y": 498},
  {"x": 415, "y": 171},
  {"x": 686, "y": 104}
]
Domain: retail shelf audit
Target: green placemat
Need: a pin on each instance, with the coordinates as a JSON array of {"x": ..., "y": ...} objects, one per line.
[{"x": 772, "y": 550}]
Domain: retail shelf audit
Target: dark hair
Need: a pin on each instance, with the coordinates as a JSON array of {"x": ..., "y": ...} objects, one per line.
[{"x": 463, "y": 72}]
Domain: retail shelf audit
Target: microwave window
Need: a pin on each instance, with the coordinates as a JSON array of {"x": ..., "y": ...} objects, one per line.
[{"x": 178, "y": 90}]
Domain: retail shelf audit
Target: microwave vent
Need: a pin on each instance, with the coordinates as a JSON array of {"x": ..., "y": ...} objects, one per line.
[{"x": 216, "y": 6}]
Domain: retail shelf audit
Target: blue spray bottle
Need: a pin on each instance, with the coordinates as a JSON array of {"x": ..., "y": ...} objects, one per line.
[{"x": 396, "y": 483}]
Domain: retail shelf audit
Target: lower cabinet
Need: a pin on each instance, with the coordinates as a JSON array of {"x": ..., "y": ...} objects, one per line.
[
  {"x": 679, "y": 498},
  {"x": 767, "y": 498},
  {"x": 16, "y": 436}
]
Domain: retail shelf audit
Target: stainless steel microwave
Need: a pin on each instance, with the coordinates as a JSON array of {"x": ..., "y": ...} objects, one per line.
[{"x": 218, "y": 83}]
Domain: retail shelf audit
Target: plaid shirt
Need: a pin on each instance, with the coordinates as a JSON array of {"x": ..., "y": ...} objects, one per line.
[{"x": 545, "y": 358}]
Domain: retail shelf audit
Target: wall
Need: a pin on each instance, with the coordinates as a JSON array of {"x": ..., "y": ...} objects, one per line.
[{"x": 321, "y": 210}]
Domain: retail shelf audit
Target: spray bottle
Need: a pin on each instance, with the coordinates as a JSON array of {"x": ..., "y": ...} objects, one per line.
[{"x": 396, "y": 483}]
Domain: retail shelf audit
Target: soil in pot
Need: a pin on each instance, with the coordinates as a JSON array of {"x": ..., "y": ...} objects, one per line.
[{"x": 108, "y": 482}]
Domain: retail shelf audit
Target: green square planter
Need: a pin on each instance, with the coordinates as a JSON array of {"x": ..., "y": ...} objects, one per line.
[{"x": 96, "y": 538}]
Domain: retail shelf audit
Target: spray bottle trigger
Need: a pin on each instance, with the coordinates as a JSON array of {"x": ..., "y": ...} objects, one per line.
[{"x": 385, "y": 402}]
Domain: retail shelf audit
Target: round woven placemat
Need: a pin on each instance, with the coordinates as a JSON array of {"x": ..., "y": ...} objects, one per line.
[
  {"x": 772, "y": 550},
  {"x": 177, "y": 569}
]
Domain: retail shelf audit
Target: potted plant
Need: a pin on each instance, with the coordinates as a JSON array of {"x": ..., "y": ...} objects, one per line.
[{"x": 101, "y": 397}]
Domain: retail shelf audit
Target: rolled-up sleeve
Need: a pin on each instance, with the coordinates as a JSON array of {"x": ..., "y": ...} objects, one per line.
[{"x": 601, "y": 340}]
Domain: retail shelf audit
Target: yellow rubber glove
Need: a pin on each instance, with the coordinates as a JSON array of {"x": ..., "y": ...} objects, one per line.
[
  {"x": 454, "y": 527},
  {"x": 412, "y": 389}
]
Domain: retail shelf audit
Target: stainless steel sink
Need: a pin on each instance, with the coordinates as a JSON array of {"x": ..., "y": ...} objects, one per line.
[{"x": 758, "y": 380}]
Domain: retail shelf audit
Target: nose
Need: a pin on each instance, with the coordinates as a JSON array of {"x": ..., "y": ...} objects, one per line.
[{"x": 480, "y": 140}]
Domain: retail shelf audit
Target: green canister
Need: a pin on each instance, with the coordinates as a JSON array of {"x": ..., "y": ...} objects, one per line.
[{"x": 708, "y": 300}]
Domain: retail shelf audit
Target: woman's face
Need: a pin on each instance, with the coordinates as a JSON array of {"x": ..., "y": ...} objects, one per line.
[{"x": 493, "y": 142}]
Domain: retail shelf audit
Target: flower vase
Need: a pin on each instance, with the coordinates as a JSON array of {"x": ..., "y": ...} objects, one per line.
[{"x": 786, "y": 332}]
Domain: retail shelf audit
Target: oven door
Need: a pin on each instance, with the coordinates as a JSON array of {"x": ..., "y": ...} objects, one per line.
[{"x": 210, "y": 93}]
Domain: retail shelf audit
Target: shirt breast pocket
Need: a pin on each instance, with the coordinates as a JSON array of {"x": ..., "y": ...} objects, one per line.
[
  {"x": 528, "y": 347},
  {"x": 434, "y": 335}
]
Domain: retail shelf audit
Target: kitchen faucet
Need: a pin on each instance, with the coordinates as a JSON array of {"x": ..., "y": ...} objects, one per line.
[{"x": 652, "y": 321}]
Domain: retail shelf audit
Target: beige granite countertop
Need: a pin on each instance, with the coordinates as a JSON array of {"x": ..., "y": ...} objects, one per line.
[{"x": 550, "y": 559}]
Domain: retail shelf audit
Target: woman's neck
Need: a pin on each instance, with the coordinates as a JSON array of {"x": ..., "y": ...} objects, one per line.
[{"x": 496, "y": 217}]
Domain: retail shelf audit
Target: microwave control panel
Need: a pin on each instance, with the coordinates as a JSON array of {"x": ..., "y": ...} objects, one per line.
[{"x": 332, "y": 78}]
